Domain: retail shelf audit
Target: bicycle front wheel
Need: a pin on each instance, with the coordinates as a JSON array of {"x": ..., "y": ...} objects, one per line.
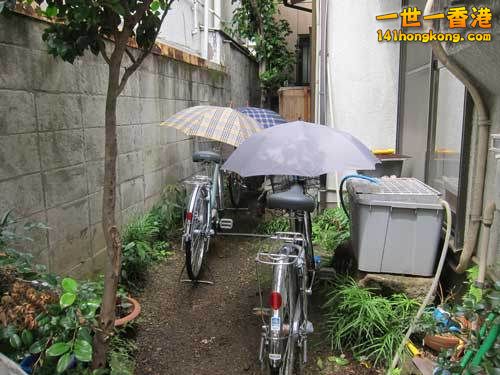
[{"x": 196, "y": 241}]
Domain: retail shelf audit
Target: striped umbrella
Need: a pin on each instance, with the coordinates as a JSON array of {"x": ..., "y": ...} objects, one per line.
[
  {"x": 265, "y": 117},
  {"x": 222, "y": 124}
]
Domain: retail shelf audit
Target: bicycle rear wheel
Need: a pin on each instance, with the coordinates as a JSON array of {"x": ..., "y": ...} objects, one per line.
[
  {"x": 196, "y": 241},
  {"x": 234, "y": 184}
]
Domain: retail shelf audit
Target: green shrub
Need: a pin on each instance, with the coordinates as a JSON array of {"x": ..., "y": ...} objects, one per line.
[
  {"x": 473, "y": 291},
  {"x": 168, "y": 212},
  {"x": 330, "y": 229},
  {"x": 141, "y": 248},
  {"x": 145, "y": 239},
  {"x": 369, "y": 325},
  {"x": 121, "y": 356},
  {"x": 276, "y": 223}
]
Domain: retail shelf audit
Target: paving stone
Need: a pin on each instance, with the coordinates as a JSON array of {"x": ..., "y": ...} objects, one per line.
[
  {"x": 129, "y": 138},
  {"x": 61, "y": 148},
  {"x": 17, "y": 112},
  {"x": 130, "y": 166},
  {"x": 64, "y": 185},
  {"x": 23, "y": 194},
  {"x": 93, "y": 111},
  {"x": 58, "y": 111},
  {"x": 69, "y": 223},
  {"x": 18, "y": 155},
  {"x": 94, "y": 143},
  {"x": 132, "y": 192}
]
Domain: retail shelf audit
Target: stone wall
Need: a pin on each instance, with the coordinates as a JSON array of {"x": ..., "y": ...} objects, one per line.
[{"x": 52, "y": 137}]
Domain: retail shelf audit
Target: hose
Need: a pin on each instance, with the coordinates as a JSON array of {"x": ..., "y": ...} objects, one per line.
[
  {"x": 360, "y": 176},
  {"x": 485, "y": 346},
  {"x": 470, "y": 353},
  {"x": 432, "y": 289}
]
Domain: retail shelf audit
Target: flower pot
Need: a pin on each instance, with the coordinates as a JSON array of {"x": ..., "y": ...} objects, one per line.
[
  {"x": 135, "y": 311},
  {"x": 440, "y": 342}
]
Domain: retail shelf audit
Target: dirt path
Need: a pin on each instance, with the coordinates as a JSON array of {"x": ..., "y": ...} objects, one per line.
[
  {"x": 203, "y": 329},
  {"x": 210, "y": 329}
]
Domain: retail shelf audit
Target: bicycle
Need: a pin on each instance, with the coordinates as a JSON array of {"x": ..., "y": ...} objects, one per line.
[
  {"x": 283, "y": 346},
  {"x": 201, "y": 219}
]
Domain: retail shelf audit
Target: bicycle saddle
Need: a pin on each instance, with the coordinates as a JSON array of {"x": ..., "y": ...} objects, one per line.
[
  {"x": 206, "y": 156},
  {"x": 292, "y": 199}
]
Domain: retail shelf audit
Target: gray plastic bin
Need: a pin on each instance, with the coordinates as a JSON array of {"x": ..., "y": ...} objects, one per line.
[{"x": 395, "y": 225}]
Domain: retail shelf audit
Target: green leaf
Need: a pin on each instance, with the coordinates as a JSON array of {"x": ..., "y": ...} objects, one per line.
[
  {"x": 51, "y": 11},
  {"x": 27, "y": 337},
  {"x": 58, "y": 349},
  {"x": 84, "y": 334},
  {"x": 155, "y": 5},
  {"x": 15, "y": 341},
  {"x": 63, "y": 363},
  {"x": 67, "y": 299},
  {"x": 319, "y": 363},
  {"x": 69, "y": 285},
  {"x": 83, "y": 350},
  {"x": 37, "y": 346},
  {"x": 8, "y": 331}
]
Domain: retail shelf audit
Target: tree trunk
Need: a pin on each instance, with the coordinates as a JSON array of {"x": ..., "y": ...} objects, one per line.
[
  {"x": 110, "y": 230},
  {"x": 263, "y": 91}
]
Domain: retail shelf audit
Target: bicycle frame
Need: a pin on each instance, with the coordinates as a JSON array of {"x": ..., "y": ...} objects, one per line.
[
  {"x": 213, "y": 186},
  {"x": 290, "y": 281}
]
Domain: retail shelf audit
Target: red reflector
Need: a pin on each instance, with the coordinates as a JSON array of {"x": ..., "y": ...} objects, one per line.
[
  {"x": 189, "y": 216},
  {"x": 275, "y": 300}
]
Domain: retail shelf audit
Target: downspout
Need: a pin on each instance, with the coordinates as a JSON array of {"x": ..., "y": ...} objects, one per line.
[
  {"x": 487, "y": 220},
  {"x": 293, "y": 6},
  {"x": 483, "y": 123}
]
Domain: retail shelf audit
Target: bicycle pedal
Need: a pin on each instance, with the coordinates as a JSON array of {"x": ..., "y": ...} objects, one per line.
[{"x": 225, "y": 223}]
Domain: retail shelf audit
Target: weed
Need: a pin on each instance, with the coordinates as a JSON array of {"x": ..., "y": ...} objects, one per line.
[
  {"x": 276, "y": 223},
  {"x": 168, "y": 212},
  {"x": 330, "y": 229},
  {"x": 121, "y": 356},
  {"x": 370, "y": 325},
  {"x": 145, "y": 239}
]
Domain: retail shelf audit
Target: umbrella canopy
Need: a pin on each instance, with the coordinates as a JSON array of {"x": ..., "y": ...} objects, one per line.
[
  {"x": 218, "y": 123},
  {"x": 299, "y": 148},
  {"x": 265, "y": 117}
]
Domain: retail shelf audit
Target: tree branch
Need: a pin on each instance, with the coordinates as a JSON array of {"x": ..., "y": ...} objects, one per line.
[
  {"x": 130, "y": 55},
  {"x": 137, "y": 62},
  {"x": 102, "y": 49}
]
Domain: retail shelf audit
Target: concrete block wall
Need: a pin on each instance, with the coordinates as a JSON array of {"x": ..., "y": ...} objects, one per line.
[{"x": 52, "y": 138}]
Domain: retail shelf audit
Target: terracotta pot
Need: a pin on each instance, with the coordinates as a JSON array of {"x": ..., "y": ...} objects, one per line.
[
  {"x": 440, "y": 342},
  {"x": 136, "y": 310}
]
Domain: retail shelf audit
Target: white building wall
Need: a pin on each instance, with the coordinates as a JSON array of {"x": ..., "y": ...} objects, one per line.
[
  {"x": 362, "y": 75},
  {"x": 364, "y": 72},
  {"x": 183, "y": 27}
]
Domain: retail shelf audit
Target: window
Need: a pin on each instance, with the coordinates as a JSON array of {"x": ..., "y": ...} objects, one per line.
[
  {"x": 448, "y": 144},
  {"x": 433, "y": 129},
  {"x": 303, "y": 60}
]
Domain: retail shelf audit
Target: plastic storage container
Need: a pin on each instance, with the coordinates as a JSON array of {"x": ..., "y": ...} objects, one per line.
[{"x": 395, "y": 225}]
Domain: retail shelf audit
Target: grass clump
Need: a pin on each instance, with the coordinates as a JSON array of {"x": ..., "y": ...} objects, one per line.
[
  {"x": 121, "y": 356},
  {"x": 330, "y": 229},
  {"x": 273, "y": 224},
  {"x": 369, "y": 325},
  {"x": 145, "y": 240}
]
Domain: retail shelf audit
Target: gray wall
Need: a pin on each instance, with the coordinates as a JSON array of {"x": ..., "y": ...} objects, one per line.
[{"x": 52, "y": 137}]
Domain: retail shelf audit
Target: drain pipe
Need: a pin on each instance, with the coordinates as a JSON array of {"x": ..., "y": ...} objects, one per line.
[
  {"x": 487, "y": 220},
  {"x": 483, "y": 124}
]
